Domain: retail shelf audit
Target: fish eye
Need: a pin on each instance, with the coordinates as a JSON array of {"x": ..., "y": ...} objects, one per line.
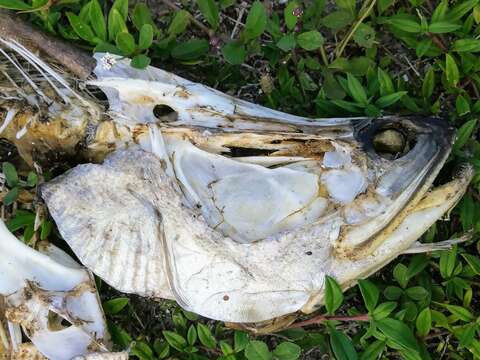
[
  {"x": 165, "y": 113},
  {"x": 392, "y": 143}
]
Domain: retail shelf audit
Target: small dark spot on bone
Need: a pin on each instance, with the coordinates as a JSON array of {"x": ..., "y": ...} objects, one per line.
[
  {"x": 226, "y": 297},
  {"x": 308, "y": 253}
]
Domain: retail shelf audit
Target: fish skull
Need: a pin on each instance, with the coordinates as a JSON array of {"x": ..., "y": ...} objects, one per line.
[{"x": 238, "y": 211}]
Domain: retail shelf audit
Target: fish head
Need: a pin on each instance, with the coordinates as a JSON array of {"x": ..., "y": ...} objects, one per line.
[{"x": 238, "y": 211}]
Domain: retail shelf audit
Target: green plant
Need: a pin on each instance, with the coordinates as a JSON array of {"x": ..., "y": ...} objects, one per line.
[{"x": 376, "y": 57}]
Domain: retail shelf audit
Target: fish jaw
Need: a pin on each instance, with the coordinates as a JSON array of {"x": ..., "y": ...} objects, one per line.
[
  {"x": 432, "y": 206},
  {"x": 41, "y": 289}
]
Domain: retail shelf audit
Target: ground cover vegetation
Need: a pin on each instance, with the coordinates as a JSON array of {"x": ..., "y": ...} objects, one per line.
[{"x": 314, "y": 58}]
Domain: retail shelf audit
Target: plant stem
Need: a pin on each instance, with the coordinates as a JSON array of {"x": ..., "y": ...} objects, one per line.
[
  {"x": 323, "y": 55},
  {"x": 436, "y": 40},
  {"x": 321, "y": 318},
  {"x": 347, "y": 38}
]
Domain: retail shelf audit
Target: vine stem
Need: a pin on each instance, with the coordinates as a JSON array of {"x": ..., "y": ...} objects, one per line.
[
  {"x": 321, "y": 318},
  {"x": 347, "y": 38}
]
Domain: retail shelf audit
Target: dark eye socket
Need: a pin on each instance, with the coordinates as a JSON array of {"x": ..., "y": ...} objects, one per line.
[
  {"x": 392, "y": 142},
  {"x": 165, "y": 113}
]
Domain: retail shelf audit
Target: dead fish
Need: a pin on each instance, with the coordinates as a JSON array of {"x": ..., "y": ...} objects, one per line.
[
  {"x": 51, "y": 299},
  {"x": 237, "y": 211}
]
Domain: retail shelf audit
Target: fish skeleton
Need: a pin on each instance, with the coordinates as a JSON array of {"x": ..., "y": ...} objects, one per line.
[{"x": 235, "y": 210}]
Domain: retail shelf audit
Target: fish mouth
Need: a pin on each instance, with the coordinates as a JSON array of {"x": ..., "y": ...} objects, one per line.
[{"x": 405, "y": 173}]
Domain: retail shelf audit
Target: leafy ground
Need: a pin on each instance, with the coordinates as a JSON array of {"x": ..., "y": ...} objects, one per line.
[{"x": 312, "y": 58}]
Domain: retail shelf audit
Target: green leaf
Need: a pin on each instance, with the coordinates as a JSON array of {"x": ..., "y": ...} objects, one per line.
[
  {"x": 333, "y": 295},
  {"x": 11, "y": 196},
  {"x": 466, "y": 45},
  {"x": 142, "y": 351},
  {"x": 393, "y": 292},
  {"x": 226, "y": 348},
  {"x": 83, "y": 30},
  {"x": 459, "y": 312},
  {"x": 341, "y": 345},
  {"x": 390, "y": 99},
  {"x": 125, "y": 42},
  {"x": 209, "y": 10},
  {"x": 84, "y": 13},
  {"x": 97, "y": 20},
  {"x": 45, "y": 229},
  {"x": 205, "y": 336},
  {"x": 234, "y": 52},
  {"x": 447, "y": 262},
  {"x": 338, "y": 19},
  {"x": 192, "y": 335},
  {"x": 473, "y": 262},
  {"x": 10, "y": 174},
  {"x": 373, "y": 350},
  {"x": 364, "y": 36},
  {"x": 190, "y": 50},
  {"x": 119, "y": 336},
  {"x": 462, "y": 106},
  {"x": 440, "y": 11},
  {"x": 287, "y": 42},
  {"x": 14, "y": 5},
  {"x": 22, "y": 218},
  {"x": 122, "y": 7},
  {"x": 140, "y": 61},
  {"x": 428, "y": 83},
  {"x": 416, "y": 293},
  {"x": 116, "y": 24},
  {"x": 461, "y": 9},
  {"x": 256, "y": 21},
  {"x": 348, "y": 5},
  {"x": 310, "y": 40},
  {"x": 400, "y": 275},
  {"x": 423, "y": 47},
  {"x": 240, "y": 340},
  {"x": 356, "y": 90},
  {"x": 386, "y": 84},
  {"x": 451, "y": 70},
  {"x": 114, "y": 306},
  {"x": 257, "y": 350},
  {"x": 290, "y": 13},
  {"x": 424, "y": 322},
  {"x": 383, "y": 5},
  {"x": 370, "y": 294},
  {"x": 146, "y": 37},
  {"x": 417, "y": 264},
  {"x": 404, "y": 24},
  {"x": 464, "y": 134},
  {"x": 467, "y": 335},
  {"x": 161, "y": 347},
  {"x": 141, "y": 16},
  {"x": 179, "y": 23},
  {"x": 442, "y": 27},
  {"x": 175, "y": 340},
  {"x": 287, "y": 351},
  {"x": 107, "y": 47},
  {"x": 383, "y": 310},
  {"x": 398, "y": 333}
]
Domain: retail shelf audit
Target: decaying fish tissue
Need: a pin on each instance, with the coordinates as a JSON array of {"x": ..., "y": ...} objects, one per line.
[{"x": 234, "y": 210}]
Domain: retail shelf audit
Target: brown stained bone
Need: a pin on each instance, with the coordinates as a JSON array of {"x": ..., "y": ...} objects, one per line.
[{"x": 75, "y": 60}]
